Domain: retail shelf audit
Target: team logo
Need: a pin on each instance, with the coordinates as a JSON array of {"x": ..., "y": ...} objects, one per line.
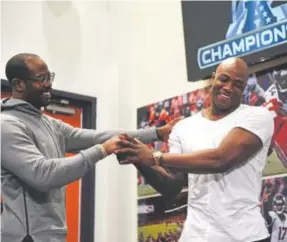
[{"x": 256, "y": 26}]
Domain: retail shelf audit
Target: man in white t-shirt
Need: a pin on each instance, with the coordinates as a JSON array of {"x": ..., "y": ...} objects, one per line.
[{"x": 223, "y": 149}]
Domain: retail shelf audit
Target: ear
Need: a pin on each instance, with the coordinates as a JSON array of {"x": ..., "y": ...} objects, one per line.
[
  {"x": 19, "y": 85},
  {"x": 211, "y": 79}
]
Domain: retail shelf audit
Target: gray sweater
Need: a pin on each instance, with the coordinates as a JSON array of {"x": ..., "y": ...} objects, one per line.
[{"x": 33, "y": 165}]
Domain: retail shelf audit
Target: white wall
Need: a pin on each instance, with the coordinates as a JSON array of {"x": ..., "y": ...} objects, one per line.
[
  {"x": 127, "y": 54},
  {"x": 152, "y": 65},
  {"x": 76, "y": 40}
]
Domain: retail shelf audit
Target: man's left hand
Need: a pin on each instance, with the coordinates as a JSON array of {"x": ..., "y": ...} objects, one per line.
[{"x": 135, "y": 152}]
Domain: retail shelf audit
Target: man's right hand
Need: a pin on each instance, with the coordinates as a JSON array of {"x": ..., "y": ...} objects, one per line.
[
  {"x": 164, "y": 131},
  {"x": 115, "y": 143}
]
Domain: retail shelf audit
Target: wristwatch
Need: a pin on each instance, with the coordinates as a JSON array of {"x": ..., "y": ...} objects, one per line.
[{"x": 157, "y": 157}]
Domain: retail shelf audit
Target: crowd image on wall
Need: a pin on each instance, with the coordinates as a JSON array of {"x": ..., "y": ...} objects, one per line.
[{"x": 161, "y": 220}]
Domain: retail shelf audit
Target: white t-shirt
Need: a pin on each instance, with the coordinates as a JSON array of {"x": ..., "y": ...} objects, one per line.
[
  {"x": 224, "y": 207},
  {"x": 279, "y": 228}
]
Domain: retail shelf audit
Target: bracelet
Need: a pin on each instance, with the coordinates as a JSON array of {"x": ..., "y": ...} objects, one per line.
[{"x": 102, "y": 150}]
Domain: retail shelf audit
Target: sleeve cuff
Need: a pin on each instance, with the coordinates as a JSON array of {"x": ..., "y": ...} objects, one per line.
[
  {"x": 148, "y": 135},
  {"x": 93, "y": 155}
]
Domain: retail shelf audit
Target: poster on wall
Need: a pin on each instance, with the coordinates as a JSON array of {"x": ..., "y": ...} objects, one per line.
[
  {"x": 274, "y": 206},
  {"x": 217, "y": 30},
  {"x": 160, "y": 219}
]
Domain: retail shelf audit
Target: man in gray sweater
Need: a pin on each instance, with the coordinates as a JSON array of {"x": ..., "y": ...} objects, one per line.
[{"x": 34, "y": 169}]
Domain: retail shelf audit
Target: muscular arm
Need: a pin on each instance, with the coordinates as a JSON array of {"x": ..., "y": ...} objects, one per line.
[
  {"x": 78, "y": 139},
  {"x": 237, "y": 147},
  {"x": 168, "y": 182}
]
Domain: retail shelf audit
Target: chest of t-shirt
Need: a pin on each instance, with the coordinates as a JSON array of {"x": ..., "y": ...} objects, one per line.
[{"x": 206, "y": 134}]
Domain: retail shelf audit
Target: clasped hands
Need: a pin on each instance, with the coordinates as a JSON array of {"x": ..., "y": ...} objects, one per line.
[
  {"x": 133, "y": 151},
  {"x": 130, "y": 150}
]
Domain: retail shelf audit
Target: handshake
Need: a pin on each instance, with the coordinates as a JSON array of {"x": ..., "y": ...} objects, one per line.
[{"x": 130, "y": 150}]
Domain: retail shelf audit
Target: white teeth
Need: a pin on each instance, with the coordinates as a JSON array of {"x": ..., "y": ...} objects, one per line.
[
  {"x": 47, "y": 94},
  {"x": 225, "y": 96}
]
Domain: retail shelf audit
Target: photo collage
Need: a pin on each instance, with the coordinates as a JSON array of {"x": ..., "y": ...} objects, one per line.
[{"x": 160, "y": 219}]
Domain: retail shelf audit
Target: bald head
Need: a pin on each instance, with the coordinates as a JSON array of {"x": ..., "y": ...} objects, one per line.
[
  {"x": 235, "y": 67},
  {"x": 229, "y": 82}
]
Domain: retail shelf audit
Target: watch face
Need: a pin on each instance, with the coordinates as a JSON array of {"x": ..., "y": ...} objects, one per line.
[{"x": 157, "y": 153}]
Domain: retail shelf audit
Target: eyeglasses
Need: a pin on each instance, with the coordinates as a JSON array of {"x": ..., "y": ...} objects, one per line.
[{"x": 43, "y": 79}]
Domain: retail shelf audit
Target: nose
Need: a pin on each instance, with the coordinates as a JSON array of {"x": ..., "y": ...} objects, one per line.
[{"x": 228, "y": 86}]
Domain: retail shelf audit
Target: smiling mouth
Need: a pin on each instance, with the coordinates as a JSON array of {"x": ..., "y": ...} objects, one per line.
[{"x": 225, "y": 96}]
